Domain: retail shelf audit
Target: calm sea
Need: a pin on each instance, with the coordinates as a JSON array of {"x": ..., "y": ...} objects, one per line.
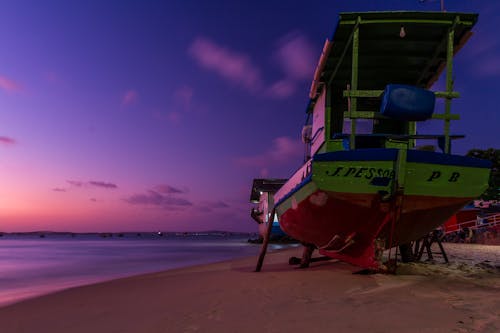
[{"x": 32, "y": 266}]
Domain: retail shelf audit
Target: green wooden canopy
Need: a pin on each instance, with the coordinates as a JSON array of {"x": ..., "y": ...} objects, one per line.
[
  {"x": 370, "y": 50},
  {"x": 393, "y": 47}
]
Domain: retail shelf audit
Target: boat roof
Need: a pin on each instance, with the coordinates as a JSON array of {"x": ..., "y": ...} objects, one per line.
[
  {"x": 270, "y": 185},
  {"x": 402, "y": 47}
]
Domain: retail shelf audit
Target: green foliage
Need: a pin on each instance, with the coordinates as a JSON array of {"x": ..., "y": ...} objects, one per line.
[
  {"x": 493, "y": 191},
  {"x": 426, "y": 148}
]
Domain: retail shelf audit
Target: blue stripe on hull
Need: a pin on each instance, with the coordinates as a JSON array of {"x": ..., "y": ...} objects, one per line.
[
  {"x": 374, "y": 154},
  {"x": 422, "y": 156},
  {"x": 391, "y": 154},
  {"x": 306, "y": 181}
]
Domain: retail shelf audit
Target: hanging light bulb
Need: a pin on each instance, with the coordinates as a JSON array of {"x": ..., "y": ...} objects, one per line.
[{"x": 402, "y": 32}]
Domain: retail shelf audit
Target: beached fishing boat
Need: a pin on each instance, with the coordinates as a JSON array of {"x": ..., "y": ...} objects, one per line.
[
  {"x": 262, "y": 196},
  {"x": 366, "y": 186}
]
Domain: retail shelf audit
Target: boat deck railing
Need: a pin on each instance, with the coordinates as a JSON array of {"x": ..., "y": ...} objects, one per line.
[{"x": 492, "y": 220}]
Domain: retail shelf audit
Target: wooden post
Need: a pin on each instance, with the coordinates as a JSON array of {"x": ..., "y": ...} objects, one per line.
[
  {"x": 354, "y": 83},
  {"x": 438, "y": 240},
  {"x": 306, "y": 255},
  {"x": 265, "y": 242}
]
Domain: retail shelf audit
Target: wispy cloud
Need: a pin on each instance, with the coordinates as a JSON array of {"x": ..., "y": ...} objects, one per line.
[
  {"x": 58, "y": 189},
  {"x": 130, "y": 97},
  {"x": 9, "y": 85},
  {"x": 215, "y": 204},
  {"x": 295, "y": 56},
  {"x": 489, "y": 66},
  {"x": 282, "y": 151},
  {"x": 182, "y": 103},
  {"x": 174, "y": 117},
  {"x": 93, "y": 183},
  {"x": 264, "y": 172},
  {"x": 5, "y": 140},
  {"x": 167, "y": 189},
  {"x": 210, "y": 206},
  {"x": 281, "y": 89},
  {"x": 93, "y": 199},
  {"x": 102, "y": 184},
  {"x": 183, "y": 97},
  {"x": 76, "y": 183},
  {"x": 229, "y": 64},
  {"x": 481, "y": 51},
  {"x": 154, "y": 198}
]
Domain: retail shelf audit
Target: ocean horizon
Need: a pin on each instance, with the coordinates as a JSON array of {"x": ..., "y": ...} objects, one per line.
[{"x": 38, "y": 263}]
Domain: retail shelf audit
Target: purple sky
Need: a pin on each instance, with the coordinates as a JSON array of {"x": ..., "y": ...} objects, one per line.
[{"x": 148, "y": 115}]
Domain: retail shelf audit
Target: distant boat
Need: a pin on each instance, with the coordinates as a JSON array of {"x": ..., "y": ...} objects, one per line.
[
  {"x": 365, "y": 187},
  {"x": 262, "y": 196}
]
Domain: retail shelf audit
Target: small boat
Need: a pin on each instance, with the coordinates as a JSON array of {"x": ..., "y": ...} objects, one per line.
[
  {"x": 261, "y": 196},
  {"x": 366, "y": 186}
]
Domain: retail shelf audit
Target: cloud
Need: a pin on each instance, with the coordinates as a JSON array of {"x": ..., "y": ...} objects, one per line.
[
  {"x": 182, "y": 103},
  {"x": 282, "y": 151},
  {"x": 209, "y": 206},
  {"x": 183, "y": 97},
  {"x": 95, "y": 183},
  {"x": 167, "y": 189},
  {"x": 295, "y": 56},
  {"x": 102, "y": 184},
  {"x": 264, "y": 172},
  {"x": 481, "y": 51},
  {"x": 231, "y": 65},
  {"x": 489, "y": 66},
  {"x": 154, "y": 198},
  {"x": 130, "y": 97},
  {"x": 9, "y": 85},
  {"x": 93, "y": 199},
  {"x": 215, "y": 204},
  {"x": 281, "y": 89},
  {"x": 58, "y": 189},
  {"x": 7, "y": 140},
  {"x": 75, "y": 183},
  {"x": 174, "y": 117}
]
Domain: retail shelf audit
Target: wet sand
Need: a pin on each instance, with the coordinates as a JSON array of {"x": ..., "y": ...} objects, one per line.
[{"x": 230, "y": 297}]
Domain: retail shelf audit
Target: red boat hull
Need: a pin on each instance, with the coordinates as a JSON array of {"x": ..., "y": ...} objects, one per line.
[{"x": 346, "y": 226}]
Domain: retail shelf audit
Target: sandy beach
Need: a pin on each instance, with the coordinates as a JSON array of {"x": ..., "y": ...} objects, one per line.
[{"x": 230, "y": 297}]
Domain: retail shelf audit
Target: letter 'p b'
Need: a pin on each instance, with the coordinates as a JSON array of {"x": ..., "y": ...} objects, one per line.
[{"x": 435, "y": 175}]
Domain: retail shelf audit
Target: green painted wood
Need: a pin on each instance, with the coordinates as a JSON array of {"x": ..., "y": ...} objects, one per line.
[
  {"x": 340, "y": 60},
  {"x": 387, "y": 21},
  {"x": 471, "y": 182},
  {"x": 412, "y": 130},
  {"x": 446, "y": 94},
  {"x": 378, "y": 93},
  {"x": 419, "y": 178},
  {"x": 354, "y": 83},
  {"x": 426, "y": 38},
  {"x": 351, "y": 176},
  {"x": 449, "y": 85},
  {"x": 446, "y": 116},
  {"x": 362, "y": 93},
  {"x": 362, "y": 115}
]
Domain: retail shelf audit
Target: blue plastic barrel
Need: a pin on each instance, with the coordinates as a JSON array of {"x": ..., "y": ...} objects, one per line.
[{"x": 409, "y": 103}]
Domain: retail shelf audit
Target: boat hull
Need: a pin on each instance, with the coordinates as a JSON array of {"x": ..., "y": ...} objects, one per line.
[{"x": 347, "y": 209}]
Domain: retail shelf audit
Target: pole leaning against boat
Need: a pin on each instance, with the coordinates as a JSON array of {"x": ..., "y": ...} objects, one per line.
[{"x": 265, "y": 242}]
